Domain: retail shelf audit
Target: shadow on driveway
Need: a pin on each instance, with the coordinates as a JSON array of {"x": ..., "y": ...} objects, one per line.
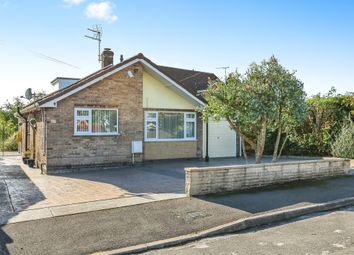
[
  {"x": 287, "y": 195},
  {"x": 165, "y": 176},
  {"x": 17, "y": 192}
]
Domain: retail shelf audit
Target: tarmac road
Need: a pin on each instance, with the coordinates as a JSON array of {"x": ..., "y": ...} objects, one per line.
[
  {"x": 322, "y": 234},
  {"x": 115, "y": 228}
]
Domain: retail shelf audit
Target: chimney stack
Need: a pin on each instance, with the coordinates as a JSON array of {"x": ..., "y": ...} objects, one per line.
[{"x": 107, "y": 57}]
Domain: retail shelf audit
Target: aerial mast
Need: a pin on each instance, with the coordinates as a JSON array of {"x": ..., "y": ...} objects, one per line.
[
  {"x": 97, "y": 36},
  {"x": 225, "y": 68}
]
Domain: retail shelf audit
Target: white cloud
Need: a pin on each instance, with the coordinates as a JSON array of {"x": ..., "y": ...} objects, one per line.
[
  {"x": 74, "y": 2},
  {"x": 102, "y": 11}
]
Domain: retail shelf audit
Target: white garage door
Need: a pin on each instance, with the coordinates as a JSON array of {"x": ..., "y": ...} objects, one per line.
[{"x": 222, "y": 140}]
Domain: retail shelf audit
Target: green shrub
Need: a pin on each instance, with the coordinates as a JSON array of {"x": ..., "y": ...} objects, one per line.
[
  {"x": 343, "y": 145},
  {"x": 10, "y": 144},
  {"x": 323, "y": 124}
]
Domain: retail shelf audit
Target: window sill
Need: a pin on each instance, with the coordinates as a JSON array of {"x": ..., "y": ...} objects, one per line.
[
  {"x": 171, "y": 140},
  {"x": 94, "y": 135}
]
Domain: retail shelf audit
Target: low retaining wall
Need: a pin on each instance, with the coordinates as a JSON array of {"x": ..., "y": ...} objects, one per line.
[{"x": 209, "y": 180}]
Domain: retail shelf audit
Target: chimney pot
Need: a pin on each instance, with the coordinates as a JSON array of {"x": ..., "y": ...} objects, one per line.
[
  {"x": 107, "y": 57},
  {"x": 121, "y": 58}
]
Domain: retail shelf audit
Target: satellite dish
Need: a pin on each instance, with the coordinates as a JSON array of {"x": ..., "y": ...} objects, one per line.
[{"x": 28, "y": 94}]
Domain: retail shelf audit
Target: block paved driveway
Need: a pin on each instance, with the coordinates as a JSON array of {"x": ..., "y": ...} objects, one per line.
[
  {"x": 23, "y": 188},
  {"x": 17, "y": 191}
]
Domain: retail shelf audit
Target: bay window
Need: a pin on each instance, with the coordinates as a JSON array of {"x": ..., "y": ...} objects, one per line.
[
  {"x": 167, "y": 126},
  {"x": 96, "y": 121}
]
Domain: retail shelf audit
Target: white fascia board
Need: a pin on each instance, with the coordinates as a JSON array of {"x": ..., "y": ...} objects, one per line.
[
  {"x": 172, "y": 82},
  {"x": 53, "y": 103}
]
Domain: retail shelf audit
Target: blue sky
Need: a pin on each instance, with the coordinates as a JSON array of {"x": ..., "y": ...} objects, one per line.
[{"x": 316, "y": 38}]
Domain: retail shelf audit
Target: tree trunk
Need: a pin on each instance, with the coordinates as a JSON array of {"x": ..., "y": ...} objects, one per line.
[
  {"x": 261, "y": 140},
  {"x": 276, "y": 145},
  {"x": 238, "y": 130},
  {"x": 277, "y": 141},
  {"x": 282, "y": 146},
  {"x": 244, "y": 150},
  {"x": 258, "y": 157}
]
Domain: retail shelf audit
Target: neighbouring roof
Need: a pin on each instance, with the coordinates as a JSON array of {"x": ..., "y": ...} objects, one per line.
[
  {"x": 63, "y": 78},
  {"x": 193, "y": 81},
  {"x": 190, "y": 80}
]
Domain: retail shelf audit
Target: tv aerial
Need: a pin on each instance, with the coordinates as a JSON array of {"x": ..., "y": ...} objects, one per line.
[
  {"x": 97, "y": 36},
  {"x": 224, "y": 68}
]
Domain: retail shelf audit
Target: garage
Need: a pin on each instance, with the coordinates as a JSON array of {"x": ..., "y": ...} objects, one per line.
[{"x": 222, "y": 140}]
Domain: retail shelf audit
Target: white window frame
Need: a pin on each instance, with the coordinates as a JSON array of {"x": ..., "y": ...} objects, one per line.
[
  {"x": 190, "y": 120},
  {"x": 89, "y": 118},
  {"x": 156, "y": 120}
]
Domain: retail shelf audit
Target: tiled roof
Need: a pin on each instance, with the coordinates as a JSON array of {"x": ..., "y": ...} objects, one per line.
[{"x": 192, "y": 81}]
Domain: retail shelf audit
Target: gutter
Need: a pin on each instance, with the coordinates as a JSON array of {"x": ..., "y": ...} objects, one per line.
[
  {"x": 31, "y": 108},
  {"x": 26, "y": 123}
]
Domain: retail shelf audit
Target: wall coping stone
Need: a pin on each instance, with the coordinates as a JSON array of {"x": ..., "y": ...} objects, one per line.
[{"x": 235, "y": 167}]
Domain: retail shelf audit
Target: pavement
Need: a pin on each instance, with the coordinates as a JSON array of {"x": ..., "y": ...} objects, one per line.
[
  {"x": 287, "y": 195},
  {"x": 114, "y": 228},
  {"x": 321, "y": 233}
]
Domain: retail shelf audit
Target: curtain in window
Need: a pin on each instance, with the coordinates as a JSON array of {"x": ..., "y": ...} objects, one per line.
[
  {"x": 104, "y": 121},
  {"x": 171, "y": 125},
  {"x": 82, "y": 126},
  {"x": 151, "y": 129},
  {"x": 190, "y": 129}
]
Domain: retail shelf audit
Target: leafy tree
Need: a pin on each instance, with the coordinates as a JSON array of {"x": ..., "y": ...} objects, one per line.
[
  {"x": 230, "y": 100},
  {"x": 343, "y": 146},
  {"x": 267, "y": 97},
  {"x": 7, "y": 128},
  {"x": 38, "y": 95},
  {"x": 290, "y": 105},
  {"x": 8, "y": 119},
  {"x": 325, "y": 115},
  {"x": 9, "y": 109}
]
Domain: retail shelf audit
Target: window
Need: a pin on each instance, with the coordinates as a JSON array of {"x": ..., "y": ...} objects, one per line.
[
  {"x": 151, "y": 125},
  {"x": 171, "y": 125},
  {"x": 190, "y": 125},
  {"x": 167, "y": 126},
  {"x": 96, "y": 121}
]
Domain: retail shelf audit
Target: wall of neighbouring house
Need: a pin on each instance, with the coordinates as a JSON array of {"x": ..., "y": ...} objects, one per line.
[
  {"x": 38, "y": 132},
  {"x": 34, "y": 139},
  {"x": 159, "y": 97},
  {"x": 23, "y": 137},
  {"x": 65, "y": 150}
]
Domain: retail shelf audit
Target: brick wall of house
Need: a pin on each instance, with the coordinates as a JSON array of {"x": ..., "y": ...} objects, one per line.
[
  {"x": 170, "y": 150},
  {"x": 23, "y": 135},
  {"x": 64, "y": 150},
  {"x": 37, "y": 134}
]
